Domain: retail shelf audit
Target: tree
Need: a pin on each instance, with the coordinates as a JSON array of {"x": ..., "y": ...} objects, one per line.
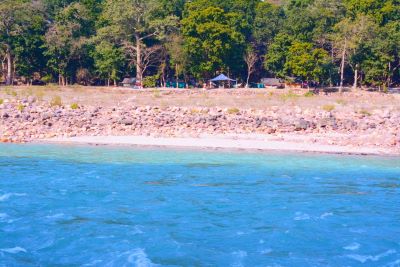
[
  {"x": 267, "y": 23},
  {"x": 14, "y": 18},
  {"x": 275, "y": 59},
  {"x": 177, "y": 54},
  {"x": 347, "y": 40},
  {"x": 213, "y": 40},
  {"x": 137, "y": 22},
  {"x": 383, "y": 56},
  {"x": 251, "y": 58},
  {"x": 108, "y": 61},
  {"x": 307, "y": 62},
  {"x": 65, "y": 38}
]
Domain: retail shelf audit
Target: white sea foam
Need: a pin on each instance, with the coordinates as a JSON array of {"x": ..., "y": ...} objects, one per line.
[
  {"x": 137, "y": 230},
  {"x": 326, "y": 214},
  {"x": 13, "y": 250},
  {"x": 365, "y": 258},
  {"x": 139, "y": 258},
  {"x": 55, "y": 216},
  {"x": 8, "y": 195},
  {"x": 352, "y": 246},
  {"x": 301, "y": 216}
]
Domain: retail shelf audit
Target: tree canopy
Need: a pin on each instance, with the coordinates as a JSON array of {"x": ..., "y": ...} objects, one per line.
[{"x": 337, "y": 42}]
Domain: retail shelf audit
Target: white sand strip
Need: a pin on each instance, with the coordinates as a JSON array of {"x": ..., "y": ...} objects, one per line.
[{"x": 218, "y": 142}]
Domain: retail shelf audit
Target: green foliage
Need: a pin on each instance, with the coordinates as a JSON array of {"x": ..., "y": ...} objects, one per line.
[
  {"x": 150, "y": 81},
  {"x": 91, "y": 41},
  {"x": 20, "y": 107},
  {"x": 108, "y": 60},
  {"x": 275, "y": 60},
  {"x": 213, "y": 39},
  {"x": 309, "y": 94},
  {"x": 74, "y": 106},
  {"x": 307, "y": 62}
]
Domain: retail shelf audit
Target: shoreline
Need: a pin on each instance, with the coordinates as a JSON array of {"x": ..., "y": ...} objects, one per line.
[{"x": 259, "y": 143}]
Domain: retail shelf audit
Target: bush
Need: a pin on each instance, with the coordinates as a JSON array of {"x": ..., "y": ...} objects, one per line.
[
  {"x": 309, "y": 94},
  {"x": 365, "y": 112},
  {"x": 47, "y": 78},
  {"x": 74, "y": 106},
  {"x": 1, "y": 101},
  {"x": 56, "y": 101},
  {"x": 233, "y": 111},
  {"x": 20, "y": 107},
  {"x": 328, "y": 108},
  {"x": 150, "y": 81}
]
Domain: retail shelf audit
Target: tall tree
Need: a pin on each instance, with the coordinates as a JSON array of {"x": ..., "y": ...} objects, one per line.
[
  {"x": 213, "y": 39},
  {"x": 307, "y": 62},
  {"x": 135, "y": 24},
  {"x": 347, "y": 39},
  {"x": 14, "y": 19},
  {"x": 65, "y": 39}
]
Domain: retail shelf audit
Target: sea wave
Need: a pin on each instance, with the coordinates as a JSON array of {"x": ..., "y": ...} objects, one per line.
[
  {"x": 365, "y": 258},
  {"x": 8, "y": 195},
  {"x": 352, "y": 246},
  {"x": 13, "y": 250},
  {"x": 299, "y": 216},
  {"x": 139, "y": 258}
]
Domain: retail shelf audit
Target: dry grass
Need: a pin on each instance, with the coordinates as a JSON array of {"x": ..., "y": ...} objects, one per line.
[{"x": 197, "y": 98}]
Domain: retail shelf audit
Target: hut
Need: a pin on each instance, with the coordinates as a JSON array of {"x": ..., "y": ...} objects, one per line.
[
  {"x": 129, "y": 82},
  {"x": 273, "y": 82}
]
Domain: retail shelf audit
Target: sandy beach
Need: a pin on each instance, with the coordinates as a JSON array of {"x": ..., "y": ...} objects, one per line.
[{"x": 252, "y": 143}]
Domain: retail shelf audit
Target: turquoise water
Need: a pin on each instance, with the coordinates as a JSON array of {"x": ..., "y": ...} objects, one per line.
[{"x": 91, "y": 206}]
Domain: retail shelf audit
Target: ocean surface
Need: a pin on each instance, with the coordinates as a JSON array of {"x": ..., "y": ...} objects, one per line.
[{"x": 105, "y": 206}]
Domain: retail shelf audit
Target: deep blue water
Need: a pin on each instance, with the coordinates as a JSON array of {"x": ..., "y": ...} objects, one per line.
[{"x": 91, "y": 206}]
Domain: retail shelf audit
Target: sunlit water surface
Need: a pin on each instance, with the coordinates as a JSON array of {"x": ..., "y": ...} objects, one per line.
[{"x": 91, "y": 206}]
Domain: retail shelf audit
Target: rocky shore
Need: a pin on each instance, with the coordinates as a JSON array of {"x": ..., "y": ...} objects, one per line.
[{"x": 28, "y": 120}]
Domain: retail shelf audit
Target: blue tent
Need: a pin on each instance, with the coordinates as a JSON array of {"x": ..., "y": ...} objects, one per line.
[{"x": 222, "y": 78}]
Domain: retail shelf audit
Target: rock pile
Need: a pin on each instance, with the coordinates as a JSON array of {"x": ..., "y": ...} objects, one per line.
[{"x": 28, "y": 120}]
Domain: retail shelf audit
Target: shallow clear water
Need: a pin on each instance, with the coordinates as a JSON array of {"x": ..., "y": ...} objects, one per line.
[{"x": 91, "y": 206}]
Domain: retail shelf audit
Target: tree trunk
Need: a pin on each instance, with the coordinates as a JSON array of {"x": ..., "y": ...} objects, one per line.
[
  {"x": 108, "y": 82},
  {"x": 342, "y": 66},
  {"x": 139, "y": 75},
  {"x": 248, "y": 78},
  {"x": 355, "y": 77},
  {"x": 9, "y": 78}
]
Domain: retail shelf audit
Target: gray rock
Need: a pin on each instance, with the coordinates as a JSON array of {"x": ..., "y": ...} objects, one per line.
[
  {"x": 126, "y": 121},
  {"x": 302, "y": 125}
]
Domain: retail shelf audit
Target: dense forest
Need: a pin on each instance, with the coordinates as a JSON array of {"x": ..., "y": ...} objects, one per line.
[{"x": 332, "y": 43}]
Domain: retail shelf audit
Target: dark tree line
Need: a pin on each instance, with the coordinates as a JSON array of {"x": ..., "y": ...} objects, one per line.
[{"x": 336, "y": 42}]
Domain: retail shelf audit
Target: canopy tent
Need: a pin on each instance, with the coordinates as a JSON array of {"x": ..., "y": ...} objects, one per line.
[{"x": 222, "y": 78}]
